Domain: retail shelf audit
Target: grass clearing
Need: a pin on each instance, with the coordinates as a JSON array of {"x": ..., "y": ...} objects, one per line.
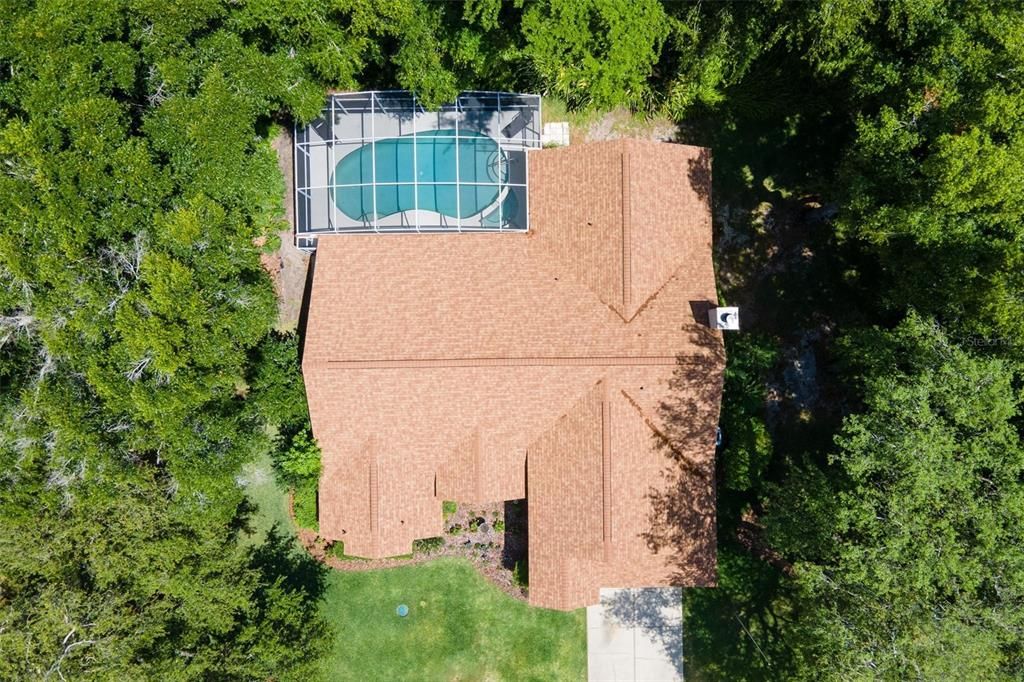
[
  {"x": 594, "y": 125},
  {"x": 554, "y": 109},
  {"x": 264, "y": 492},
  {"x": 459, "y": 626}
]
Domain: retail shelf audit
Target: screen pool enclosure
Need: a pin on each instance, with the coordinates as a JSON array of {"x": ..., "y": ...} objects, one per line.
[{"x": 376, "y": 162}]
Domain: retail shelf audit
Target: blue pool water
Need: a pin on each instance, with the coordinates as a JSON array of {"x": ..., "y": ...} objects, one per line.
[{"x": 433, "y": 158}]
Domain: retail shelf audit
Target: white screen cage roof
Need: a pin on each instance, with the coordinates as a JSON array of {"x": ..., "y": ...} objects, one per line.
[{"x": 378, "y": 162}]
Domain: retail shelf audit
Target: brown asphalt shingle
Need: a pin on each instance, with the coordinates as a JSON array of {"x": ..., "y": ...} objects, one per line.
[{"x": 570, "y": 362}]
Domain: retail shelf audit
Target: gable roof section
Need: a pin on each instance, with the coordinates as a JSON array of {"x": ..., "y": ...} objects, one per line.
[
  {"x": 616, "y": 500},
  {"x": 436, "y": 366},
  {"x": 622, "y": 216}
]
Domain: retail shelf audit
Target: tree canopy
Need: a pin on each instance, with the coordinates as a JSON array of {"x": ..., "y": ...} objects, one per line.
[
  {"x": 914, "y": 568},
  {"x": 874, "y": 536},
  {"x": 137, "y": 178}
]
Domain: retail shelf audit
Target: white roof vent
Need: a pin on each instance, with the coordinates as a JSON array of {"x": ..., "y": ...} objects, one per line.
[
  {"x": 724, "y": 318},
  {"x": 555, "y": 134}
]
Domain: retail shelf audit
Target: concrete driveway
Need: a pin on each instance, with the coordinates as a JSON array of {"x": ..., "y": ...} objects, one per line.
[{"x": 636, "y": 635}]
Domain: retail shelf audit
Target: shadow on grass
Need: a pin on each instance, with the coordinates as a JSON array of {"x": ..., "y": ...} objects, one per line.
[{"x": 281, "y": 563}]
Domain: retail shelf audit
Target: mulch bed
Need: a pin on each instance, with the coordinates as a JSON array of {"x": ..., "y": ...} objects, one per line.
[{"x": 469, "y": 534}]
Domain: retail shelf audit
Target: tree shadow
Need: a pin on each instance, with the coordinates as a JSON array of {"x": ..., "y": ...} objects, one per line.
[
  {"x": 280, "y": 562},
  {"x": 656, "y": 611},
  {"x": 734, "y": 632},
  {"x": 699, "y": 173},
  {"x": 682, "y": 516},
  {"x": 241, "y": 522},
  {"x": 778, "y": 138},
  {"x": 516, "y": 541},
  {"x": 304, "y": 306},
  {"x": 731, "y": 632},
  {"x": 781, "y": 121}
]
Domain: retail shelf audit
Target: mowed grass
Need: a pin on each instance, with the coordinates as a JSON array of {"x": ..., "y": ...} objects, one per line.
[{"x": 459, "y": 626}]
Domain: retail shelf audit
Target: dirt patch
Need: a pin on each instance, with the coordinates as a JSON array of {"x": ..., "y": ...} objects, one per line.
[
  {"x": 287, "y": 265},
  {"x": 620, "y": 123}
]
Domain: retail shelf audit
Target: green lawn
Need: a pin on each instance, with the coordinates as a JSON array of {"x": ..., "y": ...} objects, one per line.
[{"x": 459, "y": 626}]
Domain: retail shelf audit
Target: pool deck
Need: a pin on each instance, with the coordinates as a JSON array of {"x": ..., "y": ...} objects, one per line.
[{"x": 351, "y": 122}]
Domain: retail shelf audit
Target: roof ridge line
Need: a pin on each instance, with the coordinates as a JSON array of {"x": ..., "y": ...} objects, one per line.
[
  {"x": 662, "y": 436},
  {"x": 537, "y": 361},
  {"x": 476, "y": 463},
  {"x": 557, "y": 265},
  {"x": 374, "y": 500},
  {"x": 627, "y": 248},
  {"x": 654, "y": 294}
]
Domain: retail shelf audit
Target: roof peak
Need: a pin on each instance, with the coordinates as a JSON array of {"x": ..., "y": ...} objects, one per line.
[{"x": 619, "y": 215}]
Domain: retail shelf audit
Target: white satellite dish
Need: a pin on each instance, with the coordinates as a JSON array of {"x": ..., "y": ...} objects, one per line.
[{"x": 724, "y": 318}]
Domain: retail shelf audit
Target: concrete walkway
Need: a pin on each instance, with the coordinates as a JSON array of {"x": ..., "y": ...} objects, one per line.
[{"x": 636, "y": 635}]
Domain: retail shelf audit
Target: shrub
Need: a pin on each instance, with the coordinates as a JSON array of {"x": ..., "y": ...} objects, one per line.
[
  {"x": 499, "y": 526},
  {"x": 748, "y": 448},
  {"x": 276, "y": 392},
  {"x": 448, "y": 508},
  {"x": 300, "y": 462},
  {"x": 455, "y": 529},
  {"x": 304, "y": 505},
  {"x": 427, "y": 545},
  {"x": 521, "y": 572}
]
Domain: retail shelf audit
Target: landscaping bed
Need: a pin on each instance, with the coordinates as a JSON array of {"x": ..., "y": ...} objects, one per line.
[{"x": 493, "y": 537}]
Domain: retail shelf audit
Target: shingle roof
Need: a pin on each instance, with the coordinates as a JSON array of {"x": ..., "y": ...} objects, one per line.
[{"x": 570, "y": 363}]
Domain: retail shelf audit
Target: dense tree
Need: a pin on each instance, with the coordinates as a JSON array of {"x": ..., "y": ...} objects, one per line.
[
  {"x": 595, "y": 53},
  {"x": 934, "y": 177},
  {"x": 903, "y": 536},
  {"x": 711, "y": 47},
  {"x": 138, "y": 371},
  {"x": 278, "y": 395},
  {"x": 914, "y": 567},
  {"x": 135, "y": 185},
  {"x": 749, "y": 443},
  {"x": 300, "y": 463},
  {"x": 118, "y": 583}
]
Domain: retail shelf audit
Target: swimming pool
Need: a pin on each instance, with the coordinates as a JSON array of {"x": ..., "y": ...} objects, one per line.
[{"x": 458, "y": 177}]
